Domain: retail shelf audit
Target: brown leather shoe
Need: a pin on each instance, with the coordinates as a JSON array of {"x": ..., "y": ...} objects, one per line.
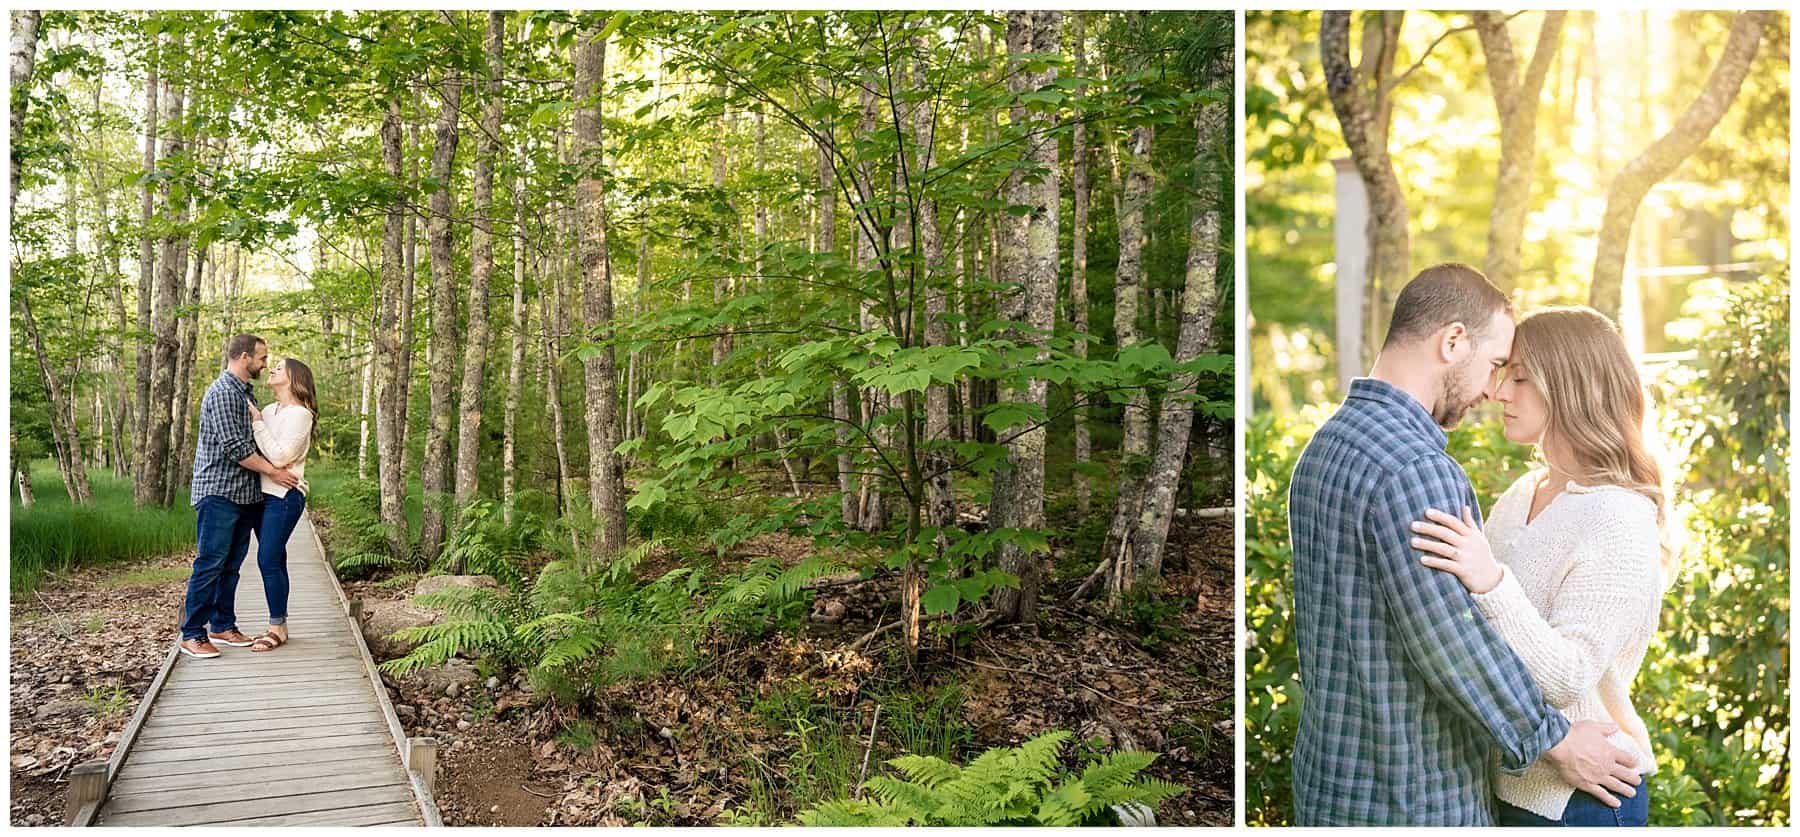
[
  {"x": 199, "y": 648},
  {"x": 234, "y": 638}
]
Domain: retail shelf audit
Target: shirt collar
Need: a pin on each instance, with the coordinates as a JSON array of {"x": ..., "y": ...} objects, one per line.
[
  {"x": 243, "y": 385},
  {"x": 1402, "y": 404}
]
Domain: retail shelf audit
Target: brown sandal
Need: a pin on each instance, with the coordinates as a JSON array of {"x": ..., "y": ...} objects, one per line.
[{"x": 269, "y": 641}]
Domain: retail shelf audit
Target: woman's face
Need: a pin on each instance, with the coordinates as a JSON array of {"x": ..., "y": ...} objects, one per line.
[
  {"x": 1523, "y": 410},
  {"x": 278, "y": 374}
]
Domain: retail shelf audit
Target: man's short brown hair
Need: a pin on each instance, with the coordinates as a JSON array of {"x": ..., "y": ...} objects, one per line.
[
  {"x": 1443, "y": 294},
  {"x": 242, "y": 344}
]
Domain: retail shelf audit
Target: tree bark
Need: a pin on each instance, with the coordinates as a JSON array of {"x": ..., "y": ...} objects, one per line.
[
  {"x": 481, "y": 250},
  {"x": 1033, "y": 266},
  {"x": 1516, "y": 100},
  {"x": 362, "y": 433},
  {"x": 25, "y": 26},
  {"x": 1360, "y": 97},
  {"x": 386, "y": 352},
  {"x": 606, "y": 474},
  {"x": 408, "y": 298},
  {"x": 552, "y": 359},
  {"x": 1199, "y": 305},
  {"x": 1635, "y": 180},
  {"x": 189, "y": 329},
  {"x": 140, "y": 431},
  {"x": 152, "y": 488},
  {"x": 871, "y": 511},
  {"x": 1078, "y": 305},
  {"x": 435, "y": 471},
  {"x": 1134, "y": 446},
  {"x": 62, "y": 430},
  {"x": 516, "y": 371}
]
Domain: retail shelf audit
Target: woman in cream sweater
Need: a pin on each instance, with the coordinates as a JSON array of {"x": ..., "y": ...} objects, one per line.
[
  {"x": 1570, "y": 569},
  {"x": 284, "y": 432}
]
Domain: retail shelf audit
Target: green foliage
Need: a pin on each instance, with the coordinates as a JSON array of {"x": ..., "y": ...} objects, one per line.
[
  {"x": 1713, "y": 687},
  {"x": 55, "y": 535},
  {"x": 1023, "y": 785}
]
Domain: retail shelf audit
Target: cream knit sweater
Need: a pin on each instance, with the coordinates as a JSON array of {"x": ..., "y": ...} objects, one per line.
[{"x": 1578, "y": 598}]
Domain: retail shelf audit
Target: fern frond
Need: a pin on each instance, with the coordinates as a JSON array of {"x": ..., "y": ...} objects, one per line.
[{"x": 928, "y": 771}]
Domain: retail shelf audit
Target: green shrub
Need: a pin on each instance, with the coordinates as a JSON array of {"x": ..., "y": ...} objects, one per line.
[{"x": 1023, "y": 785}]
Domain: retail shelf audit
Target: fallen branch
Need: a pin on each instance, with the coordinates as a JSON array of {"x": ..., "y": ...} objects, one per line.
[
  {"x": 868, "y": 748},
  {"x": 1207, "y": 514}
]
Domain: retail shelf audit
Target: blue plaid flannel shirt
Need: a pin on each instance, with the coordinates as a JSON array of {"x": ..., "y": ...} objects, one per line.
[
  {"x": 1408, "y": 690},
  {"x": 225, "y": 439}
]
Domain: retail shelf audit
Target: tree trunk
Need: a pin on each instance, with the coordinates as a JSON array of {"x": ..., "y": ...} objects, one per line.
[
  {"x": 146, "y": 289},
  {"x": 1078, "y": 306},
  {"x": 152, "y": 488},
  {"x": 24, "y": 60},
  {"x": 870, "y": 508},
  {"x": 1199, "y": 304},
  {"x": 23, "y": 472},
  {"x": 606, "y": 474},
  {"x": 481, "y": 250},
  {"x": 1032, "y": 265},
  {"x": 387, "y": 353},
  {"x": 62, "y": 429},
  {"x": 435, "y": 472},
  {"x": 840, "y": 389},
  {"x": 515, "y": 372},
  {"x": 408, "y": 298},
  {"x": 1516, "y": 100},
  {"x": 1134, "y": 447},
  {"x": 1359, "y": 96},
  {"x": 1635, "y": 180},
  {"x": 362, "y": 433},
  {"x": 182, "y": 472},
  {"x": 940, "y": 508}
]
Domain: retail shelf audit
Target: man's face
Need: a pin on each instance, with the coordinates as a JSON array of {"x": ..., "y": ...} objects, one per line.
[
  {"x": 1470, "y": 378},
  {"x": 258, "y": 360}
]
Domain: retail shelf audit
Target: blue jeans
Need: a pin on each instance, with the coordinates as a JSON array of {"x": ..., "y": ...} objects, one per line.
[
  {"x": 222, "y": 531},
  {"x": 279, "y": 517},
  {"x": 1584, "y": 810}
]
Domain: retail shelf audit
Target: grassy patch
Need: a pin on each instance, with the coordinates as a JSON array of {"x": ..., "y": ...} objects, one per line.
[
  {"x": 147, "y": 577},
  {"x": 54, "y": 535}
]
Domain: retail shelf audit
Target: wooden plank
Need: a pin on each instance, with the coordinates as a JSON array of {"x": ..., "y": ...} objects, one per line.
[
  {"x": 387, "y": 813},
  {"x": 191, "y": 711},
  {"x": 226, "y": 723},
  {"x": 272, "y": 680},
  {"x": 304, "y": 770},
  {"x": 262, "y": 748},
  {"x": 218, "y": 812},
  {"x": 252, "y": 735},
  {"x": 319, "y": 667},
  {"x": 252, "y": 789},
  {"x": 134, "y": 769}
]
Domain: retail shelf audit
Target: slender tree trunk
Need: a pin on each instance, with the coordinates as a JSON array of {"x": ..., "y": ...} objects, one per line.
[
  {"x": 22, "y": 470},
  {"x": 552, "y": 359},
  {"x": 24, "y": 60},
  {"x": 152, "y": 489},
  {"x": 606, "y": 474},
  {"x": 515, "y": 372},
  {"x": 62, "y": 429},
  {"x": 1134, "y": 447},
  {"x": 1078, "y": 305},
  {"x": 408, "y": 298},
  {"x": 1516, "y": 100},
  {"x": 1199, "y": 304},
  {"x": 362, "y": 434},
  {"x": 435, "y": 476},
  {"x": 481, "y": 249},
  {"x": 146, "y": 288},
  {"x": 1032, "y": 264},
  {"x": 840, "y": 389},
  {"x": 387, "y": 354},
  {"x": 869, "y": 504},
  {"x": 1360, "y": 97},
  {"x": 182, "y": 472},
  {"x": 941, "y": 500},
  {"x": 1635, "y": 180}
]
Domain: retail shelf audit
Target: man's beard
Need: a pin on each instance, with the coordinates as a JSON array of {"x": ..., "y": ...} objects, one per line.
[{"x": 1454, "y": 402}]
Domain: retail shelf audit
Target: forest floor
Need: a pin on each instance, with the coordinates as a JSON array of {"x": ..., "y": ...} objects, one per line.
[{"x": 755, "y": 733}]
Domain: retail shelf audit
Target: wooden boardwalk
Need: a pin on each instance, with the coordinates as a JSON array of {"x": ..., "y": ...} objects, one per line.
[{"x": 302, "y": 735}]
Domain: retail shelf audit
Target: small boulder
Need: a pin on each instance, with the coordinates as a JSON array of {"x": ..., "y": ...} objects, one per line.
[
  {"x": 382, "y": 618},
  {"x": 65, "y": 708},
  {"x": 449, "y": 679}
]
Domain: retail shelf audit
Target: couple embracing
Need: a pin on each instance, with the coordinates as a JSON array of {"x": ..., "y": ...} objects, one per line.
[
  {"x": 1458, "y": 672},
  {"x": 249, "y": 469}
]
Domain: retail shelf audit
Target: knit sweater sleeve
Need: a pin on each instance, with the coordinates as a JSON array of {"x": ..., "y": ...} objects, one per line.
[
  {"x": 1607, "y": 600},
  {"x": 283, "y": 437}
]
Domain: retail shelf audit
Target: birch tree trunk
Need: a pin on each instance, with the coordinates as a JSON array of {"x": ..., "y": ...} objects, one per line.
[
  {"x": 840, "y": 389},
  {"x": 435, "y": 471},
  {"x": 481, "y": 256},
  {"x": 387, "y": 355},
  {"x": 22, "y": 471},
  {"x": 1134, "y": 447},
  {"x": 408, "y": 297},
  {"x": 62, "y": 428},
  {"x": 146, "y": 289},
  {"x": 153, "y": 488},
  {"x": 516, "y": 371},
  {"x": 1032, "y": 265},
  {"x": 181, "y": 453},
  {"x": 1516, "y": 100},
  {"x": 1635, "y": 180},
  {"x": 1199, "y": 305},
  {"x": 362, "y": 433},
  {"x": 1078, "y": 305},
  {"x": 606, "y": 475},
  {"x": 1360, "y": 97},
  {"x": 872, "y": 512},
  {"x": 552, "y": 359},
  {"x": 25, "y": 26}
]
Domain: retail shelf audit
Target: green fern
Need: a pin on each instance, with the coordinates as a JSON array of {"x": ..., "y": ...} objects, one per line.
[{"x": 1023, "y": 785}]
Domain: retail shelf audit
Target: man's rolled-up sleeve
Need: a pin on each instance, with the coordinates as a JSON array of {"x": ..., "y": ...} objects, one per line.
[{"x": 1460, "y": 656}]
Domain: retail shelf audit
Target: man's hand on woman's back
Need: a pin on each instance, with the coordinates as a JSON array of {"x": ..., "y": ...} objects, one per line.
[{"x": 1585, "y": 759}]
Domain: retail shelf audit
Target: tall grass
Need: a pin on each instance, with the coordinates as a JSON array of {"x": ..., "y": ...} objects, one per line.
[{"x": 54, "y": 535}]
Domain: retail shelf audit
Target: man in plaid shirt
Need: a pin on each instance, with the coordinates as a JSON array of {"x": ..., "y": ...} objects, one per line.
[
  {"x": 1408, "y": 691},
  {"x": 227, "y": 500}
]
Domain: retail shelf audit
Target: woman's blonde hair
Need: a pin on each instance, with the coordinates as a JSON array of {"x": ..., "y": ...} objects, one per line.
[{"x": 1577, "y": 360}]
